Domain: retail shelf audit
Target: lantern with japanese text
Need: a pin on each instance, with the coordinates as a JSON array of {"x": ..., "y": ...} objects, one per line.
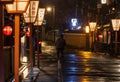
[
  {"x": 31, "y": 12},
  {"x": 116, "y": 27},
  {"x": 40, "y": 17}
]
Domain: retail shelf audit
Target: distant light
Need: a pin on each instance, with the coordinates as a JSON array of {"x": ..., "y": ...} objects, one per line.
[
  {"x": 108, "y": 32},
  {"x": 92, "y": 26},
  {"x": 74, "y": 22},
  {"x": 115, "y": 24},
  {"x": 49, "y": 9},
  {"x": 24, "y": 59},
  {"x": 28, "y": 34},
  {"x": 100, "y": 36},
  {"x": 103, "y": 1},
  {"x": 113, "y": 9},
  {"x": 87, "y": 29},
  {"x": 39, "y": 42},
  {"x": 79, "y": 27}
]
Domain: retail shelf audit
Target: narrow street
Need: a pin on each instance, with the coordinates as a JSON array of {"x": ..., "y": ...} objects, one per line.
[
  {"x": 90, "y": 67},
  {"x": 48, "y": 64},
  {"x": 80, "y": 66}
]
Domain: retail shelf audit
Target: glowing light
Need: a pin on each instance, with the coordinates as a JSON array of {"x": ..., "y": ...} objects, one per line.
[
  {"x": 92, "y": 26},
  {"x": 25, "y": 73},
  {"x": 16, "y": 6},
  {"x": 49, "y": 9},
  {"x": 39, "y": 42},
  {"x": 24, "y": 59},
  {"x": 87, "y": 29},
  {"x": 100, "y": 36},
  {"x": 7, "y": 30},
  {"x": 74, "y": 22},
  {"x": 116, "y": 24},
  {"x": 28, "y": 34},
  {"x": 103, "y": 1}
]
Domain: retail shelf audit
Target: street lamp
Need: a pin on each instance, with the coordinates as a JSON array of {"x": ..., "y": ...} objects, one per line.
[
  {"x": 92, "y": 29},
  {"x": 49, "y": 9},
  {"x": 39, "y": 22},
  {"x": 52, "y": 9},
  {"x": 30, "y": 17},
  {"x": 17, "y": 9},
  {"x": 87, "y": 30},
  {"x": 116, "y": 27}
]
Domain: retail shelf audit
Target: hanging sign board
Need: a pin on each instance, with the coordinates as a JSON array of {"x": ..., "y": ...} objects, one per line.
[
  {"x": 31, "y": 13},
  {"x": 40, "y": 17}
]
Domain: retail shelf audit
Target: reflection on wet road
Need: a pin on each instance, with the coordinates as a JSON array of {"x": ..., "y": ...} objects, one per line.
[{"x": 90, "y": 67}]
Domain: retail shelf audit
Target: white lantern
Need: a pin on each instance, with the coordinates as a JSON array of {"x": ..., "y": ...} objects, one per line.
[
  {"x": 92, "y": 26},
  {"x": 116, "y": 24},
  {"x": 31, "y": 13},
  {"x": 40, "y": 17}
]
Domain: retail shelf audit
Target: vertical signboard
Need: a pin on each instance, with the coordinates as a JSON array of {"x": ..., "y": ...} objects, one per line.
[
  {"x": 31, "y": 13},
  {"x": 40, "y": 17}
]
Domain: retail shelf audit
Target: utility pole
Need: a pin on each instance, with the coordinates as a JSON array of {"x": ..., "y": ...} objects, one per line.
[{"x": 76, "y": 10}]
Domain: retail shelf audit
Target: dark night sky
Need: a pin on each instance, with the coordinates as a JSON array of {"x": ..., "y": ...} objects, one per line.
[
  {"x": 61, "y": 5},
  {"x": 65, "y": 3},
  {"x": 67, "y": 8}
]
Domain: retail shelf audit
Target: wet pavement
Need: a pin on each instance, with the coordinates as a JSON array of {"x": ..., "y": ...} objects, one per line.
[
  {"x": 48, "y": 64},
  {"x": 77, "y": 66},
  {"x": 90, "y": 67}
]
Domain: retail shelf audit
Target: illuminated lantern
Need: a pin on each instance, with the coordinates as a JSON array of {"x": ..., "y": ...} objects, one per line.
[
  {"x": 39, "y": 42},
  {"x": 108, "y": 32},
  {"x": 24, "y": 60},
  {"x": 7, "y": 30},
  {"x": 100, "y": 36},
  {"x": 28, "y": 34},
  {"x": 87, "y": 29}
]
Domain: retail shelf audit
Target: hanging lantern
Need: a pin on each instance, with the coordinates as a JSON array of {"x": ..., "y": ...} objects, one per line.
[
  {"x": 39, "y": 42},
  {"x": 24, "y": 59},
  {"x": 18, "y": 6},
  {"x": 92, "y": 26},
  {"x": 7, "y": 30},
  {"x": 28, "y": 34},
  {"x": 116, "y": 24}
]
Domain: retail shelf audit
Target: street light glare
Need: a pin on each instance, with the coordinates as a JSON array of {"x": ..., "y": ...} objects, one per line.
[{"x": 49, "y": 9}]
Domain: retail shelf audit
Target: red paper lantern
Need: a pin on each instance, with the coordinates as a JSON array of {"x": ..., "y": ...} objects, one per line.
[
  {"x": 28, "y": 34},
  {"x": 39, "y": 42},
  {"x": 7, "y": 30}
]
